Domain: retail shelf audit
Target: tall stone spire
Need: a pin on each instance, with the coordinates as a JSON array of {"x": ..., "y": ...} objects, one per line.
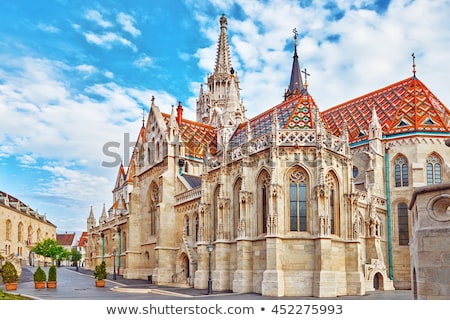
[
  {"x": 223, "y": 60},
  {"x": 219, "y": 103},
  {"x": 296, "y": 84}
]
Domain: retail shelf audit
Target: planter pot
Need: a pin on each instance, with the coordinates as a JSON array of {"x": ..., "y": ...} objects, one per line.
[
  {"x": 11, "y": 286},
  {"x": 39, "y": 284},
  {"x": 100, "y": 283},
  {"x": 51, "y": 284}
]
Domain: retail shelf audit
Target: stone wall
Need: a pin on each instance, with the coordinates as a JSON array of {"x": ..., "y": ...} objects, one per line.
[{"x": 430, "y": 243}]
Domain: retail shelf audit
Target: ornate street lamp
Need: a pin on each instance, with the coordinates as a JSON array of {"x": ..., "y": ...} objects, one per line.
[{"x": 210, "y": 249}]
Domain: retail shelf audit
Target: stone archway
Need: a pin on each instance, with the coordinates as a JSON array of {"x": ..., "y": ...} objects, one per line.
[
  {"x": 378, "y": 281},
  {"x": 182, "y": 272},
  {"x": 376, "y": 277}
]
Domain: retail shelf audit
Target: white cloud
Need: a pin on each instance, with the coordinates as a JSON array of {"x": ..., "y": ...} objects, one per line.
[
  {"x": 48, "y": 28},
  {"x": 143, "y": 61},
  {"x": 108, "y": 39},
  {"x": 127, "y": 23},
  {"x": 94, "y": 15},
  {"x": 26, "y": 160},
  {"x": 87, "y": 69}
]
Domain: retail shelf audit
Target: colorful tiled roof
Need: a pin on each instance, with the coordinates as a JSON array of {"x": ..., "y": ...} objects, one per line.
[
  {"x": 404, "y": 107},
  {"x": 196, "y": 137},
  {"x": 295, "y": 113}
]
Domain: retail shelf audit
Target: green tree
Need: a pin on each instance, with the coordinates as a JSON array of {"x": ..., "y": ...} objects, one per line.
[
  {"x": 50, "y": 248},
  {"x": 75, "y": 256}
]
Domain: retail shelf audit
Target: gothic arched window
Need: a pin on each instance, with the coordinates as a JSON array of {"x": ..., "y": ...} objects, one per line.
[
  {"x": 263, "y": 201},
  {"x": 333, "y": 203},
  {"x": 154, "y": 200},
  {"x": 298, "y": 201},
  {"x": 401, "y": 172},
  {"x": 433, "y": 170},
  {"x": 215, "y": 213},
  {"x": 20, "y": 232},
  {"x": 8, "y": 229},
  {"x": 236, "y": 207},
  {"x": 403, "y": 229},
  {"x": 197, "y": 226}
]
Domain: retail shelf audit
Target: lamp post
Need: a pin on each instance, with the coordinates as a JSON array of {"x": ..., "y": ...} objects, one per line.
[
  {"x": 114, "y": 261},
  {"x": 210, "y": 249},
  {"x": 103, "y": 246},
  {"x": 120, "y": 250}
]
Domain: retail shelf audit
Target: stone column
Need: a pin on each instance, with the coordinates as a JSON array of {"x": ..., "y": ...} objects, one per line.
[
  {"x": 273, "y": 276},
  {"x": 243, "y": 276}
]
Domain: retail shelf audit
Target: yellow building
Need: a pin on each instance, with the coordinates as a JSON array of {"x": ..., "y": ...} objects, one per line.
[
  {"x": 293, "y": 202},
  {"x": 20, "y": 228}
]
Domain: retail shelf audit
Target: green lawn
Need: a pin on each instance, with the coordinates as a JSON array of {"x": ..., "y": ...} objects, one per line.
[{"x": 10, "y": 296}]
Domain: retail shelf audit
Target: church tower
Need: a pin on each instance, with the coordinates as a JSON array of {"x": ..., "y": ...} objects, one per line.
[{"x": 219, "y": 104}]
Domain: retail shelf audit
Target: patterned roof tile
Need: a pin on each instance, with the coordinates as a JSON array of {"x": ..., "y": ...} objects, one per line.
[
  {"x": 196, "y": 137},
  {"x": 402, "y": 107}
]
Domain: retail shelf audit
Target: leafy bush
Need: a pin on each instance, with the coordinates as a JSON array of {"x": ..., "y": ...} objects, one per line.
[
  {"x": 100, "y": 271},
  {"x": 52, "y": 273},
  {"x": 39, "y": 275},
  {"x": 9, "y": 273}
]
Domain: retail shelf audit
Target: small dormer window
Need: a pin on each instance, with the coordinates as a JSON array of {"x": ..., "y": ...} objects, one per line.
[{"x": 429, "y": 121}]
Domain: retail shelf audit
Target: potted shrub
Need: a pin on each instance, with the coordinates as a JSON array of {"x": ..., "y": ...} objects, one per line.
[
  {"x": 10, "y": 276},
  {"x": 100, "y": 274},
  {"x": 51, "y": 282},
  {"x": 39, "y": 278}
]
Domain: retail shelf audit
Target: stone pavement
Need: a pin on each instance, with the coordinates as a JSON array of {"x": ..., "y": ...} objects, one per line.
[{"x": 80, "y": 285}]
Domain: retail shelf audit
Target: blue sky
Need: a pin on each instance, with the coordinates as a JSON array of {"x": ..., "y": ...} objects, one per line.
[{"x": 75, "y": 75}]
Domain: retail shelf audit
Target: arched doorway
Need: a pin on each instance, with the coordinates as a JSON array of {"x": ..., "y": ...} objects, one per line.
[
  {"x": 378, "y": 281},
  {"x": 185, "y": 264}
]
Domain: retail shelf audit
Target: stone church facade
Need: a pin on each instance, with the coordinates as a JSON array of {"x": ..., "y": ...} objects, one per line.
[{"x": 292, "y": 202}]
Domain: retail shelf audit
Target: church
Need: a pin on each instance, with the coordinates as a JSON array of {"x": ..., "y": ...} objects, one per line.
[{"x": 292, "y": 202}]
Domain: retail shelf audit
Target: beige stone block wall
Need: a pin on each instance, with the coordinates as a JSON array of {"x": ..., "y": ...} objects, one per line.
[{"x": 430, "y": 244}]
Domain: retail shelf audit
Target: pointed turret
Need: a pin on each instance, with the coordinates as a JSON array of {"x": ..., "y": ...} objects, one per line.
[
  {"x": 296, "y": 84},
  {"x": 173, "y": 124},
  {"x": 375, "y": 130},
  {"x": 103, "y": 217},
  {"x": 91, "y": 220}
]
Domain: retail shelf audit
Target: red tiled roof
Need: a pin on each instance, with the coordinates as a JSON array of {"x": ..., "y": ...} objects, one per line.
[
  {"x": 65, "y": 239},
  {"x": 403, "y": 107},
  {"x": 196, "y": 136},
  {"x": 83, "y": 239}
]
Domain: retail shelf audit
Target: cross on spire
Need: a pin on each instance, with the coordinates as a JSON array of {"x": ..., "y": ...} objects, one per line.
[
  {"x": 305, "y": 72},
  {"x": 295, "y": 36}
]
